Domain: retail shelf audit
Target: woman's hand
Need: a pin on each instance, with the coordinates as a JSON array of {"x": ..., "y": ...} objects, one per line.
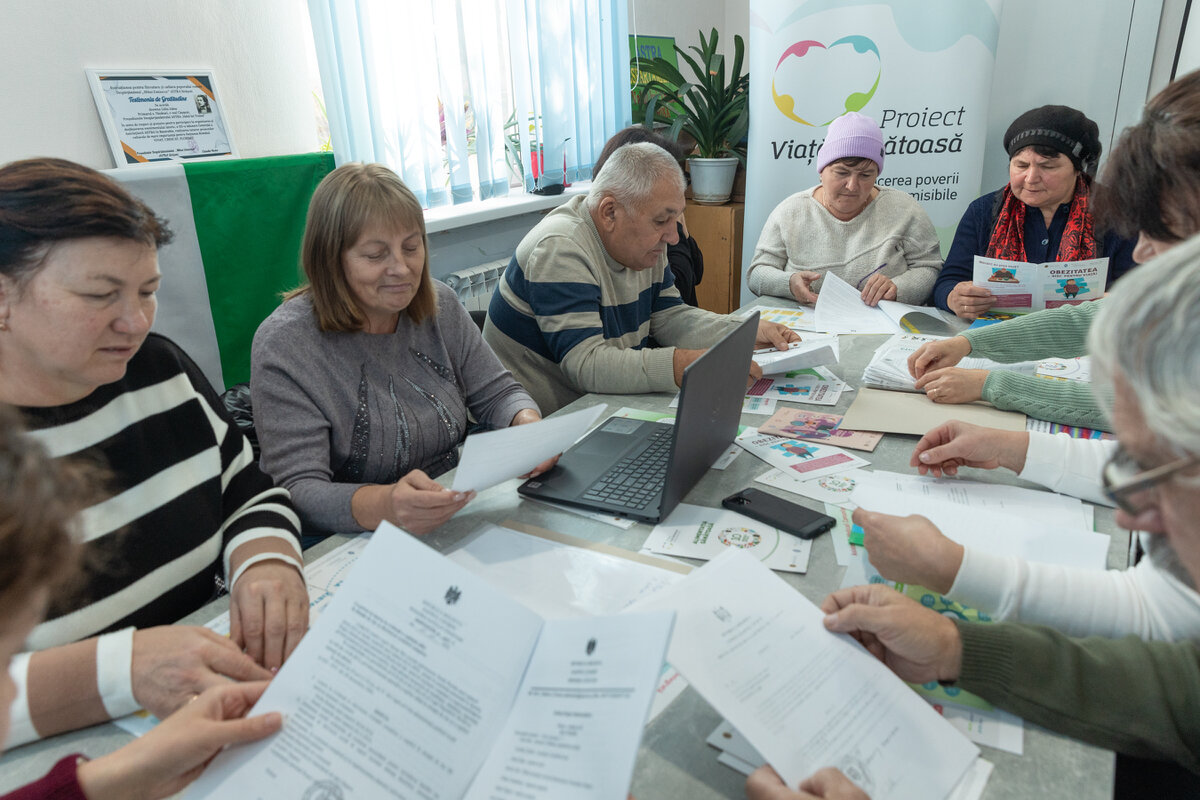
[
  {"x": 955, "y": 444},
  {"x": 524, "y": 417},
  {"x": 801, "y": 283},
  {"x": 969, "y": 301},
  {"x": 174, "y": 754},
  {"x": 909, "y": 549},
  {"x": 268, "y": 612},
  {"x": 878, "y": 287},
  {"x": 173, "y": 663},
  {"x": 825, "y": 784},
  {"x": 953, "y": 385},
  {"x": 937, "y": 355},
  {"x": 419, "y": 504}
]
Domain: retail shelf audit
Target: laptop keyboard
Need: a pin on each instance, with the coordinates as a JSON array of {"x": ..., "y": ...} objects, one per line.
[{"x": 635, "y": 480}]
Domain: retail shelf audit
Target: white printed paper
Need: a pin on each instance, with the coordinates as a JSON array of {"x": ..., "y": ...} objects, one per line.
[
  {"x": 699, "y": 532},
  {"x": 496, "y": 456},
  {"x": 419, "y": 672},
  {"x": 840, "y": 309},
  {"x": 805, "y": 698}
]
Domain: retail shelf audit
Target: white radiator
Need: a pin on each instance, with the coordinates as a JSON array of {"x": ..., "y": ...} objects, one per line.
[{"x": 474, "y": 285}]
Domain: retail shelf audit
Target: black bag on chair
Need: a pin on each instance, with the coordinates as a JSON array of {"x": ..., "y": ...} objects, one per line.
[{"x": 237, "y": 402}]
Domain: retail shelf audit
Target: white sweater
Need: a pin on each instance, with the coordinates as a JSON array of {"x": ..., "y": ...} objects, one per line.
[
  {"x": 1153, "y": 600},
  {"x": 893, "y": 235}
]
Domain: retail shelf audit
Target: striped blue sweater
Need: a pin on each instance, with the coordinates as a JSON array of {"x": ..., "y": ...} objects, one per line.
[{"x": 567, "y": 319}]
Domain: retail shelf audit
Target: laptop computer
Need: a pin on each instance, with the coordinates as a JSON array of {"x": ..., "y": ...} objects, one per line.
[{"x": 642, "y": 469}]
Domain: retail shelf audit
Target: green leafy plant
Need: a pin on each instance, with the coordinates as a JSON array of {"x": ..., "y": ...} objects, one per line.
[{"x": 712, "y": 110}]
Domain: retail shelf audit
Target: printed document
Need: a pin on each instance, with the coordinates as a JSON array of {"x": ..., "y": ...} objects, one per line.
[
  {"x": 420, "y": 680},
  {"x": 500, "y": 455},
  {"x": 805, "y": 698}
]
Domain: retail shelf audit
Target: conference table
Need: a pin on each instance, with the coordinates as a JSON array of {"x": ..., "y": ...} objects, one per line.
[{"x": 674, "y": 761}]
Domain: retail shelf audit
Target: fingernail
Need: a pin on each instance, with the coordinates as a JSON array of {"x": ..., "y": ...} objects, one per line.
[
  {"x": 458, "y": 497},
  {"x": 831, "y": 620},
  {"x": 924, "y": 457},
  {"x": 274, "y": 670}
]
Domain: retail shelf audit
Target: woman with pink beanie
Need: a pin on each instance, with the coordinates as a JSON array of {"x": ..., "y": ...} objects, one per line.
[{"x": 875, "y": 238}]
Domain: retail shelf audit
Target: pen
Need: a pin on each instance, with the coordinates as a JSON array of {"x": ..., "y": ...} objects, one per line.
[{"x": 869, "y": 274}]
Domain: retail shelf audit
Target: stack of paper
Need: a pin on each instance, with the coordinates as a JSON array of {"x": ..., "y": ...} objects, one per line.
[
  {"x": 813, "y": 350},
  {"x": 888, "y": 368}
]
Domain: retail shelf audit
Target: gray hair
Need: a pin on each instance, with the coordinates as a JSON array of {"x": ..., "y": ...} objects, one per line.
[
  {"x": 632, "y": 173},
  {"x": 1148, "y": 332}
]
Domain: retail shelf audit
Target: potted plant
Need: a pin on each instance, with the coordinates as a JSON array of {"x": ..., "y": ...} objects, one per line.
[{"x": 712, "y": 110}]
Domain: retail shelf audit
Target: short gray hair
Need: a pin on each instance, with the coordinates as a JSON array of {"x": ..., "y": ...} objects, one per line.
[
  {"x": 632, "y": 173},
  {"x": 1148, "y": 332}
]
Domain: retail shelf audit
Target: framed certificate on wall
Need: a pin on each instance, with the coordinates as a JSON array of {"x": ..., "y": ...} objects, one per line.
[{"x": 155, "y": 115}]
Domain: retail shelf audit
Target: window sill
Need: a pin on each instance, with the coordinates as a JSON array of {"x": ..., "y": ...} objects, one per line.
[{"x": 446, "y": 218}]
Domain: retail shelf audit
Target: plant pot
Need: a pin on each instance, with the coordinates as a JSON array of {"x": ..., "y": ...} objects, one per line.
[{"x": 712, "y": 179}]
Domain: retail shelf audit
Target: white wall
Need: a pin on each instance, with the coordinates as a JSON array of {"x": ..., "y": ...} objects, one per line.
[
  {"x": 257, "y": 48},
  {"x": 681, "y": 20},
  {"x": 1093, "y": 55}
]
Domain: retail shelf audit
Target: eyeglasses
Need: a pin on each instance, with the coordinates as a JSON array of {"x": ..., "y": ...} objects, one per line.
[{"x": 1123, "y": 478}]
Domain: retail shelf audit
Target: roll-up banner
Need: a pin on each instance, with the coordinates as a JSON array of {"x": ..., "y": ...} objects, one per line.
[{"x": 923, "y": 71}]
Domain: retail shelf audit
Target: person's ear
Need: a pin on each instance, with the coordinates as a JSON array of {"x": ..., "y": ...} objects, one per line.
[{"x": 606, "y": 214}]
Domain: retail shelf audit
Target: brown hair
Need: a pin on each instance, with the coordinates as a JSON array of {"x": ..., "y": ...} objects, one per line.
[
  {"x": 1151, "y": 182},
  {"x": 39, "y": 500},
  {"x": 44, "y": 201},
  {"x": 633, "y": 135},
  {"x": 853, "y": 162},
  {"x": 349, "y": 200}
]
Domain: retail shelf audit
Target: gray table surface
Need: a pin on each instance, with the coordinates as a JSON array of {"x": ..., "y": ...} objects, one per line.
[{"x": 674, "y": 761}]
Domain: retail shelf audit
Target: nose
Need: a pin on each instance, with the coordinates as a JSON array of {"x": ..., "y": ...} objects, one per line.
[
  {"x": 136, "y": 317},
  {"x": 671, "y": 234},
  {"x": 852, "y": 183}
]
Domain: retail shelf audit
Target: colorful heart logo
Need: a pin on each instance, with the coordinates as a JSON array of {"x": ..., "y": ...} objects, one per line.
[{"x": 817, "y": 82}]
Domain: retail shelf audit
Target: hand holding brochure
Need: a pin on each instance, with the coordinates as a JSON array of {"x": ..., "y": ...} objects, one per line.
[
  {"x": 422, "y": 681},
  {"x": 1021, "y": 287},
  {"x": 497, "y": 456}
]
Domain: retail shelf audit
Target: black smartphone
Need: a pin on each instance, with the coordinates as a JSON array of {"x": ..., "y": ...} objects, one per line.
[{"x": 783, "y": 514}]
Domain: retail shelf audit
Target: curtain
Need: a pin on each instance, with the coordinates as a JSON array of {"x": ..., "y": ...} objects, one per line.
[{"x": 427, "y": 87}]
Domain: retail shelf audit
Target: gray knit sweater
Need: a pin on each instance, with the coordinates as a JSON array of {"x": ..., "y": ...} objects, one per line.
[
  {"x": 893, "y": 230},
  {"x": 338, "y": 411}
]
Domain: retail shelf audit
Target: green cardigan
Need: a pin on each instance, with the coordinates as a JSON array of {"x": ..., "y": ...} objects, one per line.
[
  {"x": 1055, "y": 333},
  {"x": 1135, "y": 697}
]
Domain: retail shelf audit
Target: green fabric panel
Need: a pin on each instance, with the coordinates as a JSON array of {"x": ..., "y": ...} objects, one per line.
[{"x": 249, "y": 217}]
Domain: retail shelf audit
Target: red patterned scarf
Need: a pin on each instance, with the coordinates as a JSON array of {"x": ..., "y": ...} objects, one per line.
[{"x": 1008, "y": 233}]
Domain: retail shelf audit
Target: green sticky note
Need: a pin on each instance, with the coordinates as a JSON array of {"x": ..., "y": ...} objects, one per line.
[{"x": 856, "y": 535}]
